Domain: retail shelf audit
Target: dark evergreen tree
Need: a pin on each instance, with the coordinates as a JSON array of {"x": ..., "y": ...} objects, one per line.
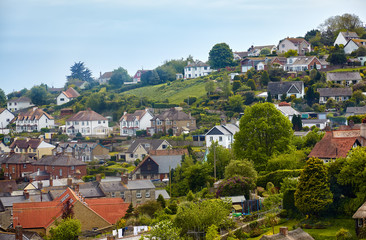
[{"x": 269, "y": 97}]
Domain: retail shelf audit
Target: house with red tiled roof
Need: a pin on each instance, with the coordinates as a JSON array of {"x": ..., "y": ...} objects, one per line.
[
  {"x": 337, "y": 143},
  {"x": 299, "y": 44},
  {"x": 94, "y": 214},
  {"x": 88, "y": 123},
  {"x": 132, "y": 122},
  {"x": 67, "y": 96},
  {"x": 33, "y": 120}
]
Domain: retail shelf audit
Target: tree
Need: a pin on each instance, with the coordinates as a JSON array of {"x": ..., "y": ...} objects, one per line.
[
  {"x": 119, "y": 76},
  {"x": 243, "y": 168},
  {"x": 2, "y": 98},
  {"x": 291, "y": 53},
  {"x": 212, "y": 233},
  {"x": 150, "y": 78},
  {"x": 236, "y": 85},
  {"x": 335, "y": 24},
  {"x": 235, "y": 186},
  {"x": 337, "y": 57},
  {"x": 68, "y": 228},
  {"x": 164, "y": 230},
  {"x": 310, "y": 34},
  {"x": 210, "y": 87},
  {"x": 129, "y": 212},
  {"x": 264, "y": 78},
  {"x": 265, "y": 51},
  {"x": 236, "y": 103},
  {"x": 79, "y": 71},
  {"x": 313, "y": 193},
  {"x": 38, "y": 95},
  {"x": 221, "y": 155},
  {"x": 311, "y": 96},
  {"x": 226, "y": 86},
  {"x": 166, "y": 73},
  {"x": 358, "y": 96},
  {"x": 220, "y": 56},
  {"x": 251, "y": 84},
  {"x": 296, "y": 123},
  {"x": 272, "y": 220},
  {"x": 149, "y": 208},
  {"x": 269, "y": 97},
  {"x": 263, "y": 131}
]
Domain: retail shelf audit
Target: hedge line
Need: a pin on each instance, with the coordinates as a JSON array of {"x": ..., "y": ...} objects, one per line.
[{"x": 277, "y": 177}]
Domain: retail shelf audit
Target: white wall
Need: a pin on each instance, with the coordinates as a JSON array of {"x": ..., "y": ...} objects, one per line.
[
  {"x": 5, "y": 117},
  {"x": 15, "y": 106},
  {"x": 88, "y": 128},
  {"x": 226, "y": 140},
  {"x": 62, "y": 99},
  {"x": 194, "y": 72}
]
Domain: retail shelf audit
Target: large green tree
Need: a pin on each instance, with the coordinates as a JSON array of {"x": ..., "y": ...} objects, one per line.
[
  {"x": 220, "y": 56},
  {"x": 350, "y": 22},
  {"x": 313, "y": 193},
  {"x": 68, "y": 228},
  {"x": 263, "y": 131},
  {"x": 79, "y": 71},
  {"x": 119, "y": 76},
  {"x": 219, "y": 155},
  {"x": 2, "y": 98},
  {"x": 150, "y": 78},
  {"x": 243, "y": 168},
  {"x": 38, "y": 95}
]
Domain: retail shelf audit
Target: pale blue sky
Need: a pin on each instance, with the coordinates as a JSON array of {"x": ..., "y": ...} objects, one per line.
[{"x": 41, "y": 39}]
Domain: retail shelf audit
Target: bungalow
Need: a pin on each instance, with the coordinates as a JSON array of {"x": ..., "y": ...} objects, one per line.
[
  {"x": 286, "y": 109},
  {"x": 254, "y": 51},
  {"x": 33, "y": 120},
  {"x": 350, "y": 111},
  {"x": 303, "y": 63},
  {"x": 88, "y": 123},
  {"x": 5, "y": 117},
  {"x": 142, "y": 147},
  {"x": 278, "y": 89},
  {"x": 223, "y": 134},
  {"x": 67, "y": 96},
  {"x": 139, "y": 120},
  {"x": 298, "y": 44},
  {"x": 344, "y": 37},
  {"x": 249, "y": 63},
  {"x": 19, "y": 103},
  {"x": 353, "y": 45},
  {"x": 196, "y": 69},
  {"x": 338, "y": 94},
  {"x": 344, "y": 78}
]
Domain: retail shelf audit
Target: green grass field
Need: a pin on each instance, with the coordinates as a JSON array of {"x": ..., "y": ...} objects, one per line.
[
  {"x": 175, "y": 92},
  {"x": 349, "y": 69}
]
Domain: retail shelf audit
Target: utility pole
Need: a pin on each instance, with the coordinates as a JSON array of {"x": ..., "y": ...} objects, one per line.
[
  {"x": 170, "y": 181},
  {"x": 215, "y": 162}
]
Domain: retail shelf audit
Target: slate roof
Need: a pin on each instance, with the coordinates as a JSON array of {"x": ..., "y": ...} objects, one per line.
[
  {"x": 88, "y": 115},
  {"x": 287, "y": 110},
  {"x": 303, "y": 60},
  {"x": 297, "y": 40},
  {"x": 279, "y": 88},
  {"x": 173, "y": 115},
  {"x": 10, "y": 236},
  {"x": 332, "y": 148},
  {"x": 112, "y": 186},
  {"x": 24, "y": 144},
  {"x": 71, "y": 93},
  {"x": 341, "y": 76},
  {"x": 106, "y": 75},
  {"x": 140, "y": 184},
  {"x": 348, "y": 35},
  {"x": 153, "y": 144},
  {"x": 60, "y": 160},
  {"x": 197, "y": 64},
  {"x": 333, "y": 92},
  {"x": 228, "y": 129},
  {"x": 163, "y": 193},
  {"x": 32, "y": 114},
  {"x": 297, "y": 234},
  {"x": 90, "y": 190},
  {"x": 356, "y": 110},
  {"x": 314, "y": 121},
  {"x": 9, "y": 201},
  {"x": 8, "y": 185},
  {"x": 165, "y": 161},
  {"x": 21, "y": 99},
  {"x": 242, "y": 54},
  {"x": 18, "y": 159}
]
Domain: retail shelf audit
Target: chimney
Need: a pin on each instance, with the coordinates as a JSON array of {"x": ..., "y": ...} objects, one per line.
[
  {"x": 76, "y": 187},
  {"x": 40, "y": 185},
  {"x": 51, "y": 182},
  {"x": 69, "y": 182},
  {"x": 124, "y": 179},
  {"x": 284, "y": 231},
  {"x": 26, "y": 194},
  {"x": 18, "y": 232},
  {"x": 363, "y": 128},
  {"x": 98, "y": 178}
]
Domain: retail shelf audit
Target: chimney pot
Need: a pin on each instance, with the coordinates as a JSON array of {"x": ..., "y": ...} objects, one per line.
[
  {"x": 26, "y": 194},
  {"x": 124, "y": 179},
  {"x": 284, "y": 231},
  {"x": 18, "y": 232},
  {"x": 51, "y": 182},
  {"x": 98, "y": 178},
  {"x": 40, "y": 185}
]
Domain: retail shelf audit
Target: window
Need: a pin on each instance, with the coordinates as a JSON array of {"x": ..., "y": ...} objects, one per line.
[
  {"x": 187, "y": 124},
  {"x": 60, "y": 172},
  {"x": 205, "y": 68},
  {"x": 122, "y": 194},
  {"x": 220, "y": 139},
  {"x": 62, "y": 99},
  {"x": 24, "y": 165},
  {"x": 7, "y": 166},
  {"x": 138, "y": 194},
  {"x": 131, "y": 155},
  {"x": 72, "y": 167},
  {"x": 34, "y": 150},
  {"x": 211, "y": 139},
  {"x": 113, "y": 194},
  {"x": 82, "y": 123},
  {"x": 147, "y": 194},
  {"x": 99, "y": 122},
  {"x": 13, "y": 169}
]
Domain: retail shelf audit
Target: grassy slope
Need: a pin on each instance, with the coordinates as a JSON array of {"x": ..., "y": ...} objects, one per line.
[
  {"x": 176, "y": 92},
  {"x": 349, "y": 69}
]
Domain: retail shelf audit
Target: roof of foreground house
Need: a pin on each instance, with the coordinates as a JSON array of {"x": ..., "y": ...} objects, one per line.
[
  {"x": 59, "y": 160},
  {"x": 341, "y": 76},
  {"x": 87, "y": 115},
  {"x": 71, "y": 93},
  {"x": 33, "y": 114},
  {"x": 278, "y": 88},
  {"x": 332, "y": 92}
]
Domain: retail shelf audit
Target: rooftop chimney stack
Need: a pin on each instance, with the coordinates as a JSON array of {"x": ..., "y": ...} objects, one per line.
[
  {"x": 69, "y": 182},
  {"x": 40, "y": 185},
  {"x": 51, "y": 182},
  {"x": 18, "y": 232},
  {"x": 124, "y": 179},
  {"x": 284, "y": 231},
  {"x": 26, "y": 194},
  {"x": 98, "y": 178}
]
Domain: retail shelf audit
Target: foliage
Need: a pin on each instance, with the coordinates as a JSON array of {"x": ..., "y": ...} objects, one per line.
[
  {"x": 226, "y": 86},
  {"x": 272, "y": 220},
  {"x": 251, "y": 84},
  {"x": 343, "y": 234},
  {"x": 150, "y": 78},
  {"x": 212, "y": 233},
  {"x": 235, "y": 186},
  {"x": 236, "y": 103},
  {"x": 313, "y": 194},
  {"x": 119, "y": 76},
  {"x": 222, "y": 156},
  {"x": 2, "y": 98},
  {"x": 311, "y": 96},
  {"x": 67, "y": 210},
  {"x": 149, "y": 208},
  {"x": 265, "y": 51},
  {"x": 335, "y": 24},
  {"x": 79, "y": 71},
  {"x": 190, "y": 196},
  {"x": 264, "y": 78},
  {"x": 202, "y": 215},
  {"x": 38, "y": 95},
  {"x": 164, "y": 230},
  {"x": 263, "y": 132},
  {"x": 337, "y": 57},
  {"x": 290, "y": 53},
  {"x": 273, "y": 201},
  {"x": 210, "y": 87},
  {"x": 243, "y": 168},
  {"x": 296, "y": 123},
  {"x": 277, "y": 177},
  {"x": 161, "y": 201},
  {"x": 129, "y": 212},
  {"x": 292, "y": 160},
  {"x": 68, "y": 228},
  {"x": 220, "y": 56}
]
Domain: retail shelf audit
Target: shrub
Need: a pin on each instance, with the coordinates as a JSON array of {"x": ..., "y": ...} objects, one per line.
[
  {"x": 343, "y": 234},
  {"x": 235, "y": 186},
  {"x": 277, "y": 177}
]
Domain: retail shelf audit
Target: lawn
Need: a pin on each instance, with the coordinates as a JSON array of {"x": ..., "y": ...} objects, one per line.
[
  {"x": 319, "y": 234},
  {"x": 175, "y": 91},
  {"x": 349, "y": 69}
]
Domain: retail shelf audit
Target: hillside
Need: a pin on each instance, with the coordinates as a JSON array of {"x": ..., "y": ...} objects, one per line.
[{"x": 175, "y": 91}]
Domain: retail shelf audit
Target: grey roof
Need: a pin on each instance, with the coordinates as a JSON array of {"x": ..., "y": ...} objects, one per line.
[
  {"x": 279, "y": 88},
  {"x": 341, "y": 76},
  {"x": 228, "y": 129},
  {"x": 56, "y": 182},
  {"x": 163, "y": 193},
  {"x": 9, "y": 201},
  {"x": 112, "y": 186},
  {"x": 287, "y": 110},
  {"x": 173, "y": 114},
  {"x": 165, "y": 161},
  {"x": 18, "y": 159},
  {"x": 332, "y": 92},
  {"x": 10, "y": 236},
  {"x": 314, "y": 121},
  {"x": 21, "y": 99},
  {"x": 140, "y": 184},
  {"x": 348, "y": 34},
  {"x": 60, "y": 160},
  {"x": 304, "y": 60},
  {"x": 152, "y": 143},
  {"x": 90, "y": 190},
  {"x": 235, "y": 199},
  {"x": 356, "y": 110},
  {"x": 198, "y": 64}
]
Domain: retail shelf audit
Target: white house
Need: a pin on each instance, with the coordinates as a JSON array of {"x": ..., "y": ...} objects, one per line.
[
  {"x": 277, "y": 89},
  {"x": 88, "y": 123},
  {"x": 344, "y": 37},
  {"x": 67, "y": 96},
  {"x": 139, "y": 120},
  {"x": 105, "y": 77},
  {"x": 5, "y": 117},
  {"x": 287, "y": 110},
  {"x": 362, "y": 60},
  {"x": 254, "y": 51},
  {"x": 338, "y": 94},
  {"x": 19, "y": 103},
  {"x": 196, "y": 69},
  {"x": 319, "y": 123},
  {"x": 34, "y": 120},
  {"x": 223, "y": 134},
  {"x": 298, "y": 44},
  {"x": 353, "y": 45},
  {"x": 303, "y": 63}
]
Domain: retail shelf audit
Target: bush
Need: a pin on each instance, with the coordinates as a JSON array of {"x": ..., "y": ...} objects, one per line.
[
  {"x": 235, "y": 186},
  {"x": 277, "y": 177},
  {"x": 343, "y": 234}
]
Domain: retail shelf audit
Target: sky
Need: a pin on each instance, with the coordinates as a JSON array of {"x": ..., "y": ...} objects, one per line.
[{"x": 41, "y": 39}]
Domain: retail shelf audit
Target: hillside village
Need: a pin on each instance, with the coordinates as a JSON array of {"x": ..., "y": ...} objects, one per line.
[{"x": 264, "y": 143}]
